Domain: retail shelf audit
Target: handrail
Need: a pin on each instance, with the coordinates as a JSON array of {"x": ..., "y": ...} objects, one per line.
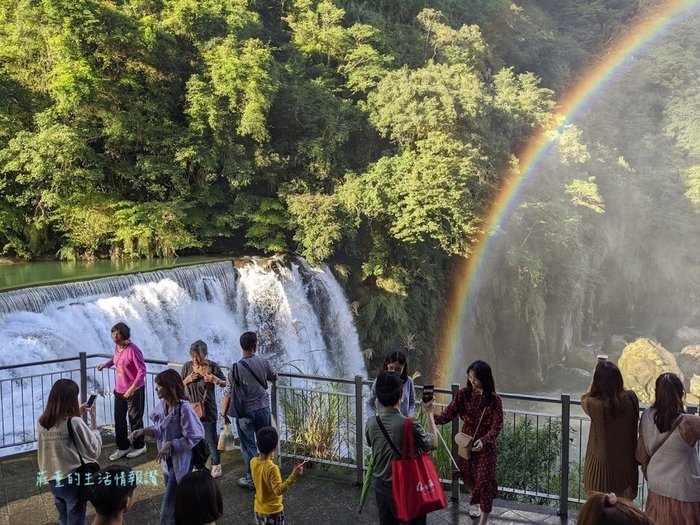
[{"x": 349, "y": 432}]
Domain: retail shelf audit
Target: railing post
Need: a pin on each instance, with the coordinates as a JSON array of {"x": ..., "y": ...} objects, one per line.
[
  {"x": 564, "y": 470},
  {"x": 359, "y": 438},
  {"x": 455, "y": 450},
  {"x": 276, "y": 419},
  {"x": 83, "y": 380}
]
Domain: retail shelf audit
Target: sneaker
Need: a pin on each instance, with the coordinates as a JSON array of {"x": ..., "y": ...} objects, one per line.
[
  {"x": 118, "y": 454},
  {"x": 474, "y": 511},
  {"x": 246, "y": 483},
  {"x": 136, "y": 452},
  {"x": 216, "y": 471}
]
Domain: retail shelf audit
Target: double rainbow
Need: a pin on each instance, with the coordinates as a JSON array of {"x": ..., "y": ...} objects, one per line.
[{"x": 467, "y": 276}]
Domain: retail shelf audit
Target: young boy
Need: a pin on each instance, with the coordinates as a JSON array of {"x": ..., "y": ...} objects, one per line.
[
  {"x": 267, "y": 478},
  {"x": 112, "y": 495}
]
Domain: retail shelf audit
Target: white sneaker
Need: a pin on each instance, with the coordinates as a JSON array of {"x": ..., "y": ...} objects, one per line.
[
  {"x": 474, "y": 511},
  {"x": 246, "y": 483},
  {"x": 215, "y": 471},
  {"x": 136, "y": 452},
  {"x": 118, "y": 454}
]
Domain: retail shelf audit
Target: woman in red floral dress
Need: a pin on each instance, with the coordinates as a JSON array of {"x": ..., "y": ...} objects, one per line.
[{"x": 477, "y": 398}]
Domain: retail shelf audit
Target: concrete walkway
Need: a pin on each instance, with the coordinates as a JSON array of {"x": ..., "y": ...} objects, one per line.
[{"x": 316, "y": 498}]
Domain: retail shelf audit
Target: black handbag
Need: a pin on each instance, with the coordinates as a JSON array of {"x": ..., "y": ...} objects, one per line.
[
  {"x": 85, "y": 475},
  {"x": 200, "y": 451}
]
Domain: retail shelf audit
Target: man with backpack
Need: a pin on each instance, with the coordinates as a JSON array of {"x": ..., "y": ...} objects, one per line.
[{"x": 247, "y": 400}]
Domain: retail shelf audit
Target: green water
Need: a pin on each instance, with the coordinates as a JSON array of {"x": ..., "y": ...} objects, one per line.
[{"x": 21, "y": 275}]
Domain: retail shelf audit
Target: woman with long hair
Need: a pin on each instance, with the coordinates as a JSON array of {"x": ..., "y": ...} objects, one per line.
[
  {"x": 608, "y": 509},
  {"x": 666, "y": 450},
  {"x": 478, "y": 405},
  {"x": 59, "y": 454},
  {"x": 176, "y": 429},
  {"x": 610, "y": 464},
  {"x": 201, "y": 376},
  {"x": 395, "y": 362}
]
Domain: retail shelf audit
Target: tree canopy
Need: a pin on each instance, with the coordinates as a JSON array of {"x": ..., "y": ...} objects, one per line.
[{"x": 370, "y": 135}]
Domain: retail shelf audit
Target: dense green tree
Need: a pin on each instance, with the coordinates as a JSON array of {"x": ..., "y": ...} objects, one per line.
[{"x": 374, "y": 134}]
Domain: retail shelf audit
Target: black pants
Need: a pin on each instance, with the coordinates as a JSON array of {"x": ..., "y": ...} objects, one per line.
[
  {"x": 386, "y": 508},
  {"x": 133, "y": 407}
]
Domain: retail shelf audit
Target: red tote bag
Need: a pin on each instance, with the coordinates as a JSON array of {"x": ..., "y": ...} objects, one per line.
[{"x": 415, "y": 482}]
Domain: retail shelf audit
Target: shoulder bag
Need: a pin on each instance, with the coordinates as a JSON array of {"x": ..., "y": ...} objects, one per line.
[
  {"x": 237, "y": 407},
  {"x": 86, "y": 471},
  {"x": 238, "y": 396},
  {"x": 465, "y": 441},
  {"x": 260, "y": 381},
  {"x": 415, "y": 483},
  {"x": 199, "y": 407},
  {"x": 200, "y": 453}
]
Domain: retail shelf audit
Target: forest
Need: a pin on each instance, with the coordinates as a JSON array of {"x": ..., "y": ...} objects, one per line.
[{"x": 368, "y": 135}]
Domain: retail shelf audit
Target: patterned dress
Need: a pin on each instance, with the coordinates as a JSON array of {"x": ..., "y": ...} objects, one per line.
[{"x": 479, "y": 473}]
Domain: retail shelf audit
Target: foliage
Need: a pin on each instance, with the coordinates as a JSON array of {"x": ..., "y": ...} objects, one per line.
[
  {"x": 312, "y": 422},
  {"x": 528, "y": 456},
  {"x": 529, "y": 459},
  {"x": 374, "y": 134}
]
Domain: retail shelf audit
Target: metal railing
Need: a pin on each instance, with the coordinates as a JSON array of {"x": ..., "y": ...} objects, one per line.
[{"x": 541, "y": 451}]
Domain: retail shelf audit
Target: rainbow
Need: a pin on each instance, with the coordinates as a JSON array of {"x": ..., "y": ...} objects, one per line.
[{"x": 468, "y": 274}]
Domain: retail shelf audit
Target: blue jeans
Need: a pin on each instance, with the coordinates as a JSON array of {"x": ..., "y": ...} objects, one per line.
[
  {"x": 247, "y": 428},
  {"x": 212, "y": 440},
  {"x": 167, "y": 507},
  {"x": 71, "y": 509}
]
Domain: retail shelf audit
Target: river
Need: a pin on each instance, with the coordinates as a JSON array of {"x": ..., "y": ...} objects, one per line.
[{"x": 22, "y": 275}]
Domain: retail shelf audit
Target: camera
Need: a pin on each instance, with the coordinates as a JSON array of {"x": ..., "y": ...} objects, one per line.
[{"x": 428, "y": 393}]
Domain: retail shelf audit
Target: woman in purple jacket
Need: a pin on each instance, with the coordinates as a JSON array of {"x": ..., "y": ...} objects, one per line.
[{"x": 176, "y": 429}]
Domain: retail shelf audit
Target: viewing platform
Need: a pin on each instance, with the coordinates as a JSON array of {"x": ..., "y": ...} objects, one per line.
[
  {"x": 316, "y": 498},
  {"x": 320, "y": 419}
]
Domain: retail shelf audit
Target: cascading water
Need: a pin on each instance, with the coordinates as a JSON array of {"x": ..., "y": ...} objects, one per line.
[{"x": 300, "y": 313}]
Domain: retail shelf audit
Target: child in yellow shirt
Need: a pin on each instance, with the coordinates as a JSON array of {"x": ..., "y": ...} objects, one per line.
[{"x": 267, "y": 479}]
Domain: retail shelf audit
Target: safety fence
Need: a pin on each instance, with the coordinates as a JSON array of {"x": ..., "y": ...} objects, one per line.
[{"x": 540, "y": 449}]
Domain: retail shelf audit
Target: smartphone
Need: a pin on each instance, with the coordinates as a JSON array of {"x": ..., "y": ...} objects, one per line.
[
  {"x": 428, "y": 391},
  {"x": 91, "y": 400}
]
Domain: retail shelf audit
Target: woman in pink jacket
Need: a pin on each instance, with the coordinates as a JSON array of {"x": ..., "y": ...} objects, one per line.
[{"x": 129, "y": 395}]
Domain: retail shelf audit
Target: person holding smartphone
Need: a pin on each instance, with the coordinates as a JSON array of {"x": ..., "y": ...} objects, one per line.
[
  {"x": 383, "y": 433},
  {"x": 201, "y": 377},
  {"x": 610, "y": 465},
  {"x": 59, "y": 453},
  {"x": 396, "y": 362}
]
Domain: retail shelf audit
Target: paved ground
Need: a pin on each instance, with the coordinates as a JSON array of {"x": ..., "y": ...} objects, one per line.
[{"x": 316, "y": 498}]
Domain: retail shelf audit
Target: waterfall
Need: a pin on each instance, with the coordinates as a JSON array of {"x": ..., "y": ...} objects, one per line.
[{"x": 300, "y": 313}]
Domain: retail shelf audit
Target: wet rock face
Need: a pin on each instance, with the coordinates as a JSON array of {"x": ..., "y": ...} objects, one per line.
[
  {"x": 693, "y": 395},
  {"x": 689, "y": 363},
  {"x": 642, "y": 361}
]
